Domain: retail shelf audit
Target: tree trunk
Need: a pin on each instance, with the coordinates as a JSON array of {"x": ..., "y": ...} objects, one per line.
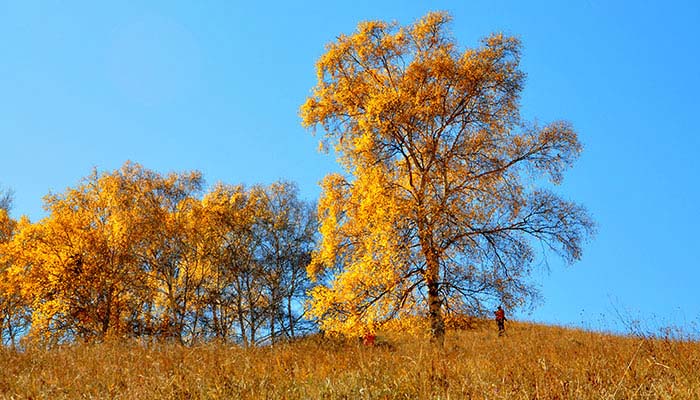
[
  {"x": 437, "y": 324},
  {"x": 289, "y": 315},
  {"x": 272, "y": 327},
  {"x": 107, "y": 315},
  {"x": 241, "y": 320},
  {"x": 432, "y": 280}
]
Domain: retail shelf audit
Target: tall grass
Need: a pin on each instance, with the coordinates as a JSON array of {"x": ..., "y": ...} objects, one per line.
[{"x": 530, "y": 362}]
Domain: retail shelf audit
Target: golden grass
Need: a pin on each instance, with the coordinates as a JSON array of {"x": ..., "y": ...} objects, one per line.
[{"x": 531, "y": 362}]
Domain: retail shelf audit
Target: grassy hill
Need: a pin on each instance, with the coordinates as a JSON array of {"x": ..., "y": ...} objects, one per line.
[{"x": 531, "y": 362}]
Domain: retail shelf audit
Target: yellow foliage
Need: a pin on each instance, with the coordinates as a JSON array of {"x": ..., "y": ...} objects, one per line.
[
  {"x": 133, "y": 253},
  {"x": 432, "y": 211}
]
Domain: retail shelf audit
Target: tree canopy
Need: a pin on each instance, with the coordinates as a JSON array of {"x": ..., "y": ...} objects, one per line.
[
  {"x": 134, "y": 253},
  {"x": 438, "y": 209}
]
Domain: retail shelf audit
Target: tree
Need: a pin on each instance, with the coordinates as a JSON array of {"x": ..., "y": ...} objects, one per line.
[
  {"x": 233, "y": 286},
  {"x": 109, "y": 259},
  {"x": 287, "y": 231},
  {"x": 14, "y": 312},
  {"x": 6, "y": 199},
  {"x": 260, "y": 242},
  {"x": 164, "y": 218},
  {"x": 77, "y": 267},
  {"x": 435, "y": 212}
]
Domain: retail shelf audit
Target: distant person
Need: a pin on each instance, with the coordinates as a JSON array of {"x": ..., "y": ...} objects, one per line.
[
  {"x": 500, "y": 320},
  {"x": 368, "y": 339}
]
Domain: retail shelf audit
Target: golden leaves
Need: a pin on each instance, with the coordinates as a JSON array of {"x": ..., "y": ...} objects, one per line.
[
  {"x": 135, "y": 253},
  {"x": 434, "y": 152}
]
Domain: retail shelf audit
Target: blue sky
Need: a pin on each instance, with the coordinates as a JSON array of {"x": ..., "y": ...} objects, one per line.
[{"x": 216, "y": 86}]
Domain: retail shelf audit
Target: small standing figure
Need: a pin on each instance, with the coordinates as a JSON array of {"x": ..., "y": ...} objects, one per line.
[
  {"x": 368, "y": 339},
  {"x": 500, "y": 320}
]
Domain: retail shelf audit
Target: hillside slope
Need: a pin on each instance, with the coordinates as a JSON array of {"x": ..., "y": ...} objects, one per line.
[{"x": 531, "y": 362}]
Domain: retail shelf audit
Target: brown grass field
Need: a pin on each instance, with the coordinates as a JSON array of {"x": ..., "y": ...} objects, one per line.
[{"x": 531, "y": 362}]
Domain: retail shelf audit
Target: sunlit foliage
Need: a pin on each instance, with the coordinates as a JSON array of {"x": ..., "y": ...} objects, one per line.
[
  {"x": 261, "y": 241},
  {"x": 436, "y": 211},
  {"x": 14, "y": 312},
  {"x": 133, "y": 253}
]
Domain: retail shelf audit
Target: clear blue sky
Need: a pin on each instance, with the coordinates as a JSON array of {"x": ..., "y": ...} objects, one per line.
[{"x": 216, "y": 86}]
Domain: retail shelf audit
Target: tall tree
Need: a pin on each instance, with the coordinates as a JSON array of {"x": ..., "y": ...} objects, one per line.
[{"x": 436, "y": 211}]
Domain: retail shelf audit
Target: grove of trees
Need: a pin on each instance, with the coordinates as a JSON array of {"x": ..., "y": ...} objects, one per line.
[{"x": 132, "y": 253}]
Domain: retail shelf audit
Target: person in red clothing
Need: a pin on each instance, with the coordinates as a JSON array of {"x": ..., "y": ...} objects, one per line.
[
  {"x": 500, "y": 320},
  {"x": 368, "y": 339}
]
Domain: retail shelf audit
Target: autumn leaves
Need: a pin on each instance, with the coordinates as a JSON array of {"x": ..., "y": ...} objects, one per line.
[
  {"x": 132, "y": 253},
  {"x": 435, "y": 212}
]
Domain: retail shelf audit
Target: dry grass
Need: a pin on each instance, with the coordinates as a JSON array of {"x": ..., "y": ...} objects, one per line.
[{"x": 531, "y": 362}]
